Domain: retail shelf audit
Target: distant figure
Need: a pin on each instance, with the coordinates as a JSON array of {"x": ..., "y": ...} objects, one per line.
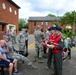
[
  {"x": 21, "y": 42},
  {"x": 14, "y": 37},
  {"x": 39, "y": 37},
  {"x": 26, "y": 41}
]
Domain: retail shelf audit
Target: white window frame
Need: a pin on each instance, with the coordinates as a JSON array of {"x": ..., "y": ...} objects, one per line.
[
  {"x": 42, "y": 23},
  {"x": 46, "y": 23}
]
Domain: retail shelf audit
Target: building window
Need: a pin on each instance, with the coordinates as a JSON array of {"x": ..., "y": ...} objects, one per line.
[
  {"x": 10, "y": 9},
  {"x": 42, "y": 23},
  {"x": 15, "y": 12},
  {"x": 34, "y": 23},
  {"x": 46, "y": 23},
  {"x": 3, "y": 6}
]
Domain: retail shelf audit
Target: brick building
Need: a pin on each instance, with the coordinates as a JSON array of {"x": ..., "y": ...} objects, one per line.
[
  {"x": 9, "y": 13},
  {"x": 45, "y": 22}
]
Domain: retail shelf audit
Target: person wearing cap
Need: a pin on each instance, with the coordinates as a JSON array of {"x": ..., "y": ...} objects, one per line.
[
  {"x": 39, "y": 37},
  {"x": 50, "y": 41},
  {"x": 14, "y": 55},
  {"x": 21, "y": 42},
  {"x": 57, "y": 47}
]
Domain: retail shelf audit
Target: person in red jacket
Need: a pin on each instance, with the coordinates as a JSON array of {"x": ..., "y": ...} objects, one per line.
[
  {"x": 57, "y": 47},
  {"x": 50, "y": 41}
]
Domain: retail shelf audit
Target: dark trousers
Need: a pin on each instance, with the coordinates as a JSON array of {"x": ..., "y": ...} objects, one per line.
[
  {"x": 58, "y": 63},
  {"x": 50, "y": 56},
  {"x": 26, "y": 44},
  {"x": 69, "y": 53}
]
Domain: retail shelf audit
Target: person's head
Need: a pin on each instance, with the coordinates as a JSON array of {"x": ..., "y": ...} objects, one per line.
[
  {"x": 23, "y": 31},
  {"x": 26, "y": 30},
  {"x": 39, "y": 27},
  {"x": 52, "y": 30},
  {"x": 3, "y": 43},
  {"x": 6, "y": 38},
  {"x": 58, "y": 30}
]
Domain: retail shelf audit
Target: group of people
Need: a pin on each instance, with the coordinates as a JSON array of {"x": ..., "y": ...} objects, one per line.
[
  {"x": 9, "y": 58},
  {"x": 12, "y": 35},
  {"x": 54, "y": 42}
]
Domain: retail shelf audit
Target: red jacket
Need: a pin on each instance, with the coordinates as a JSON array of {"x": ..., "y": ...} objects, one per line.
[
  {"x": 52, "y": 38},
  {"x": 57, "y": 42}
]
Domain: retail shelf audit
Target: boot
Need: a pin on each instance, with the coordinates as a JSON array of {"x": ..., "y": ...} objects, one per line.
[
  {"x": 40, "y": 60},
  {"x": 33, "y": 67},
  {"x": 35, "y": 59}
]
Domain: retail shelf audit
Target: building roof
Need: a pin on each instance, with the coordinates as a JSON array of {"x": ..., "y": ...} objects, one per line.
[
  {"x": 14, "y": 3},
  {"x": 47, "y": 18},
  {"x": 3, "y": 23}
]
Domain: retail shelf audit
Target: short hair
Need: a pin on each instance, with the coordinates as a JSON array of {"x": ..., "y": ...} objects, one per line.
[
  {"x": 23, "y": 29},
  {"x": 38, "y": 26}
]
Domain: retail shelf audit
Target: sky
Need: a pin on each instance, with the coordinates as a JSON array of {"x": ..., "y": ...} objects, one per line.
[{"x": 38, "y": 8}]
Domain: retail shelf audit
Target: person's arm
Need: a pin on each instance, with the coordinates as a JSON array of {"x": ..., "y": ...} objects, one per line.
[
  {"x": 19, "y": 37},
  {"x": 1, "y": 57},
  {"x": 7, "y": 50}
]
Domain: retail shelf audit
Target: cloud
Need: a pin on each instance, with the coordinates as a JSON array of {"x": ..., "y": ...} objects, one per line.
[{"x": 44, "y": 7}]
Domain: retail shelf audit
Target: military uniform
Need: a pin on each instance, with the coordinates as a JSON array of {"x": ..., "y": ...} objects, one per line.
[
  {"x": 39, "y": 36},
  {"x": 26, "y": 41},
  {"x": 14, "y": 37},
  {"x": 21, "y": 43},
  {"x": 17, "y": 56}
]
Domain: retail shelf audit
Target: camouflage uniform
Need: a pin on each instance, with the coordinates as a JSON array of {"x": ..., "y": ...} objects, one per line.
[
  {"x": 14, "y": 55},
  {"x": 39, "y": 36},
  {"x": 17, "y": 56},
  {"x": 14, "y": 37},
  {"x": 21, "y": 43},
  {"x": 26, "y": 40}
]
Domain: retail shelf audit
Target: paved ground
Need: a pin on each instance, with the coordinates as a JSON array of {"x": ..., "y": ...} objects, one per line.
[{"x": 69, "y": 66}]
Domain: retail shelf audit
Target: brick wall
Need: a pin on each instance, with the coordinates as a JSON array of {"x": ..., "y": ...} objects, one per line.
[
  {"x": 31, "y": 25},
  {"x": 6, "y": 15}
]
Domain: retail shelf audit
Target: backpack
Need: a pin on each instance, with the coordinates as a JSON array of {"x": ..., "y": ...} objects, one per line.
[{"x": 66, "y": 44}]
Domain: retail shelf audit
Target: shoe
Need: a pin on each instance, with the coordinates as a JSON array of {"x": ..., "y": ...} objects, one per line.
[
  {"x": 16, "y": 72},
  {"x": 34, "y": 60},
  {"x": 63, "y": 59},
  {"x": 41, "y": 61},
  {"x": 47, "y": 68},
  {"x": 33, "y": 67}
]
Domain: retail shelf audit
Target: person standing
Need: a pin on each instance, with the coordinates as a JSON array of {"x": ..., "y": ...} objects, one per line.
[
  {"x": 26, "y": 41},
  {"x": 57, "y": 47},
  {"x": 14, "y": 37},
  {"x": 47, "y": 34},
  {"x": 21, "y": 42},
  {"x": 50, "y": 41},
  {"x": 39, "y": 37}
]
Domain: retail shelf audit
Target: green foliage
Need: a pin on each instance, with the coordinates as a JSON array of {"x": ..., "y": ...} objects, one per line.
[
  {"x": 23, "y": 23},
  {"x": 67, "y": 33},
  {"x": 51, "y": 15},
  {"x": 68, "y": 18}
]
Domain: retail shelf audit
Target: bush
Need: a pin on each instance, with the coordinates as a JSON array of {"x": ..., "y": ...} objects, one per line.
[{"x": 67, "y": 33}]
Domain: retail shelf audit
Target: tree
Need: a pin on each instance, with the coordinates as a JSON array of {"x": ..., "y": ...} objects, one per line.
[
  {"x": 68, "y": 18},
  {"x": 23, "y": 23},
  {"x": 51, "y": 15}
]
